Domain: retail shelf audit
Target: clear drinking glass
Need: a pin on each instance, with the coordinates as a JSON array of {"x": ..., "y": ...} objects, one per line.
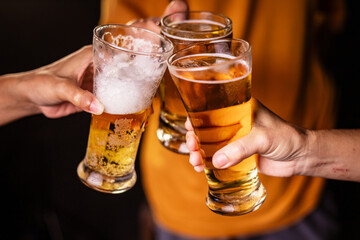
[
  {"x": 183, "y": 29},
  {"x": 214, "y": 82},
  {"x": 129, "y": 63}
]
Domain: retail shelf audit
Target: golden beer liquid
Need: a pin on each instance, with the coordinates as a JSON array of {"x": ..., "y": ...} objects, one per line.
[
  {"x": 173, "y": 114},
  {"x": 112, "y": 147},
  {"x": 220, "y": 113}
]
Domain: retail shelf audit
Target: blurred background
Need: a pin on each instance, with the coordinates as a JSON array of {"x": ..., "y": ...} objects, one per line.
[{"x": 42, "y": 195}]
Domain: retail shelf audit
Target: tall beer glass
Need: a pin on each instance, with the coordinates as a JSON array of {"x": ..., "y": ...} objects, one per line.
[
  {"x": 214, "y": 81},
  {"x": 183, "y": 29},
  {"x": 129, "y": 63}
]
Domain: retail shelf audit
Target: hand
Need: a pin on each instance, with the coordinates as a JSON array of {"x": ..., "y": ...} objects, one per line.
[
  {"x": 153, "y": 23},
  {"x": 56, "y": 90},
  {"x": 61, "y": 88},
  {"x": 281, "y": 146}
]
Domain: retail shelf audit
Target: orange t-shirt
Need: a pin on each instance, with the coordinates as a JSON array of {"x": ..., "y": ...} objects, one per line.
[{"x": 285, "y": 78}]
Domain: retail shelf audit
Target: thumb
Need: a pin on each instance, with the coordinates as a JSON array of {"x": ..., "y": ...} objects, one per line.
[
  {"x": 81, "y": 98},
  {"x": 88, "y": 102},
  {"x": 176, "y": 6},
  {"x": 235, "y": 152}
]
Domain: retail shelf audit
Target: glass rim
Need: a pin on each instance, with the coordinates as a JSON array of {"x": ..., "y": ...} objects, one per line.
[
  {"x": 227, "y": 27},
  {"x": 100, "y": 39},
  {"x": 169, "y": 61}
]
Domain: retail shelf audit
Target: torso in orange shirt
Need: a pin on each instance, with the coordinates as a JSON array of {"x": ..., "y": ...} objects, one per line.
[{"x": 285, "y": 79}]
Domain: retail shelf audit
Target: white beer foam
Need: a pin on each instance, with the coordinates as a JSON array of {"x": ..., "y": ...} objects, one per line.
[
  {"x": 133, "y": 44},
  {"x": 127, "y": 82}
]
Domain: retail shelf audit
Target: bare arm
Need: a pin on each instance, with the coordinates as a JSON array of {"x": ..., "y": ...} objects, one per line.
[
  {"x": 56, "y": 90},
  {"x": 333, "y": 154}
]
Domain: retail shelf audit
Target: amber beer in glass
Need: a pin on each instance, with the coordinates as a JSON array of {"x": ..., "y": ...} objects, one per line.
[
  {"x": 129, "y": 63},
  {"x": 183, "y": 29},
  {"x": 214, "y": 81}
]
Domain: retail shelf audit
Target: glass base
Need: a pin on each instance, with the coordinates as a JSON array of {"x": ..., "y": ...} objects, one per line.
[
  {"x": 230, "y": 206},
  {"x": 103, "y": 183},
  {"x": 171, "y": 139}
]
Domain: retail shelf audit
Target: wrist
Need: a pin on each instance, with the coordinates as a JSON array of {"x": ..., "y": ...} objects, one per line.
[
  {"x": 318, "y": 155},
  {"x": 306, "y": 163},
  {"x": 15, "y": 89}
]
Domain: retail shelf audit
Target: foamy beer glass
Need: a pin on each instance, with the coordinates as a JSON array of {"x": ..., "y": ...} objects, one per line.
[
  {"x": 183, "y": 29},
  {"x": 214, "y": 81},
  {"x": 129, "y": 63}
]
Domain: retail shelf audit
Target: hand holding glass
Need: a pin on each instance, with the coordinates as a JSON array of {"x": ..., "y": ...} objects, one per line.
[
  {"x": 214, "y": 82},
  {"x": 129, "y": 63}
]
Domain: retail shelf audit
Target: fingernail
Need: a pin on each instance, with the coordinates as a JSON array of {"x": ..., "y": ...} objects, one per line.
[
  {"x": 96, "y": 107},
  {"x": 189, "y": 142},
  {"x": 191, "y": 160},
  {"x": 220, "y": 160},
  {"x": 199, "y": 168}
]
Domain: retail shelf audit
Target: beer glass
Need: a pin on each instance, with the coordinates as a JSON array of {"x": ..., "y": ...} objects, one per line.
[
  {"x": 183, "y": 29},
  {"x": 214, "y": 82},
  {"x": 129, "y": 63}
]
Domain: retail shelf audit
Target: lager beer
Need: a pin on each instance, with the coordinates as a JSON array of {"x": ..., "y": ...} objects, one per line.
[
  {"x": 112, "y": 148},
  {"x": 216, "y": 90},
  {"x": 129, "y": 63},
  {"x": 184, "y": 29}
]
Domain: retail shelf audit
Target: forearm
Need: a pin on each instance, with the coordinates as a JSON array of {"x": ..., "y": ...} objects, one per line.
[
  {"x": 333, "y": 154},
  {"x": 13, "y": 101}
]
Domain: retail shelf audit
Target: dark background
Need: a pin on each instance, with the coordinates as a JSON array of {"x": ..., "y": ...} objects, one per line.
[
  {"x": 341, "y": 58},
  {"x": 41, "y": 194}
]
